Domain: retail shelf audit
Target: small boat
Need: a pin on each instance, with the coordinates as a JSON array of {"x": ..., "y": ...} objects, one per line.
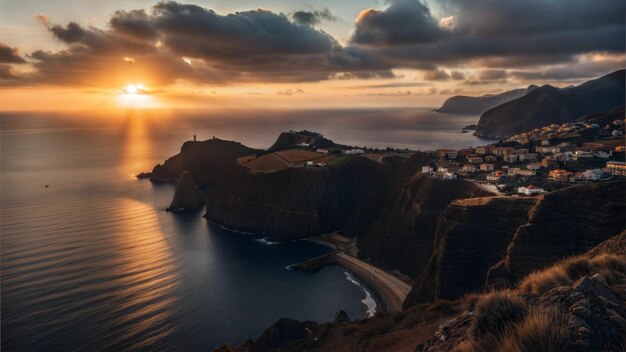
[{"x": 46, "y": 186}]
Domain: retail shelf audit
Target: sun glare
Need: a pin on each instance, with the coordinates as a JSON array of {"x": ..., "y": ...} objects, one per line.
[
  {"x": 136, "y": 95},
  {"x": 134, "y": 88}
]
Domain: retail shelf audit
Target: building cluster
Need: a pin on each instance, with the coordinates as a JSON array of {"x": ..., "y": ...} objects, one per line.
[
  {"x": 492, "y": 163},
  {"x": 570, "y": 130}
]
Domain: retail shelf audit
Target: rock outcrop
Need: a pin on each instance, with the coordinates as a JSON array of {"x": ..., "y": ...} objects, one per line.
[
  {"x": 495, "y": 242},
  {"x": 563, "y": 223},
  {"x": 472, "y": 236},
  {"x": 288, "y": 140},
  {"x": 546, "y": 105},
  {"x": 187, "y": 195},
  {"x": 206, "y": 160}
]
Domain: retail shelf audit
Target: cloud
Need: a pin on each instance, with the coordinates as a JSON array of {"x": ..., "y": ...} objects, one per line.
[
  {"x": 311, "y": 18},
  {"x": 436, "y": 74},
  {"x": 10, "y": 55},
  {"x": 403, "y": 22},
  {"x": 175, "y": 41},
  {"x": 509, "y": 34},
  {"x": 289, "y": 92},
  {"x": 172, "y": 41},
  {"x": 7, "y": 72}
]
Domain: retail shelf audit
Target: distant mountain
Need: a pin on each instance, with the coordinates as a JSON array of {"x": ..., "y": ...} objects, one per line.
[
  {"x": 462, "y": 104},
  {"x": 547, "y": 105}
]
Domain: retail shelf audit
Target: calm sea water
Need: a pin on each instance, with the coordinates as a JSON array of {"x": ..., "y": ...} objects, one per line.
[{"x": 94, "y": 263}]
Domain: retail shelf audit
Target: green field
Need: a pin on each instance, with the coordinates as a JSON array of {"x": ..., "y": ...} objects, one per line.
[{"x": 337, "y": 160}]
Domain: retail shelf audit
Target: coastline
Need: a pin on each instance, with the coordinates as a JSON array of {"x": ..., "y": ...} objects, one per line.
[{"x": 388, "y": 291}]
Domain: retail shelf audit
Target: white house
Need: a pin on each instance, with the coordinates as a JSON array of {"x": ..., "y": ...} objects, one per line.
[
  {"x": 322, "y": 150},
  {"x": 530, "y": 190},
  {"x": 355, "y": 151},
  {"x": 427, "y": 169}
]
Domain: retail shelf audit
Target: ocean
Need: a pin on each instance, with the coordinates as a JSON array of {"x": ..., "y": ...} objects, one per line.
[{"x": 93, "y": 262}]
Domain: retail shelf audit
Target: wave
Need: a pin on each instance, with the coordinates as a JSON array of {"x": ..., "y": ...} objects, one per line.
[{"x": 369, "y": 300}]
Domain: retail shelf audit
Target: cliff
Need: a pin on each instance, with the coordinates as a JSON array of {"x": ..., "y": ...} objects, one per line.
[
  {"x": 205, "y": 160},
  {"x": 496, "y": 241},
  {"x": 547, "y": 105},
  {"x": 288, "y": 140},
  {"x": 461, "y": 104},
  {"x": 472, "y": 236},
  {"x": 187, "y": 195},
  {"x": 402, "y": 236},
  {"x": 301, "y": 202},
  {"x": 390, "y": 208},
  {"x": 563, "y": 223}
]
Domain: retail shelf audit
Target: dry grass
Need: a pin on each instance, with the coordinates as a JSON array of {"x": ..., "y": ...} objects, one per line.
[
  {"x": 541, "y": 331},
  {"x": 496, "y": 312},
  {"x": 612, "y": 267}
]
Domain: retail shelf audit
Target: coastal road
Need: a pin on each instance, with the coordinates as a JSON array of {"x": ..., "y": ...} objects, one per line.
[{"x": 392, "y": 290}]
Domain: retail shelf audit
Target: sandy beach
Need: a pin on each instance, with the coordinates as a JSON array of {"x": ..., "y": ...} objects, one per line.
[{"x": 389, "y": 290}]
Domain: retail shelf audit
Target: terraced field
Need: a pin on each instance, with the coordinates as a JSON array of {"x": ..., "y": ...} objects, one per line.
[{"x": 283, "y": 159}]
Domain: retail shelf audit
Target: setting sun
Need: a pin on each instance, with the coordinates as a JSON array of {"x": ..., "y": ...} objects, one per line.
[
  {"x": 136, "y": 95},
  {"x": 134, "y": 88}
]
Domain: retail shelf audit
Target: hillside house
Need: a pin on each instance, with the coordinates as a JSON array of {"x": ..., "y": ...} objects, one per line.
[
  {"x": 502, "y": 151},
  {"x": 512, "y": 158},
  {"x": 465, "y": 152},
  {"x": 469, "y": 168},
  {"x": 482, "y": 150},
  {"x": 559, "y": 175},
  {"x": 534, "y": 166},
  {"x": 530, "y": 190},
  {"x": 616, "y": 168},
  {"x": 427, "y": 169},
  {"x": 531, "y": 157},
  {"x": 446, "y": 153},
  {"x": 490, "y": 159},
  {"x": 549, "y": 162},
  {"x": 474, "y": 159},
  {"x": 487, "y": 167}
]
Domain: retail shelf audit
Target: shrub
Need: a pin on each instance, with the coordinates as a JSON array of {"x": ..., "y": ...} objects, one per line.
[
  {"x": 542, "y": 330},
  {"x": 496, "y": 312}
]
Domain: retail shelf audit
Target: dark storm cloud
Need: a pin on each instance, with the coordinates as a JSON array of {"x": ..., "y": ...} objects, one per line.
[
  {"x": 403, "y": 22},
  {"x": 10, "y": 55},
  {"x": 256, "y": 45},
  {"x": 501, "y": 33},
  {"x": 310, "y": 18},
  {"x": 174, "y": 41}
]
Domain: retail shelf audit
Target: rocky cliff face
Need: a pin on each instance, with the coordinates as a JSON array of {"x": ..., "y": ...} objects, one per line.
[
  {"x": 563, "y": 223},
  {"x": 302, "y": 202},
  {"x": 187, "y": 195},
  {"x": 390, "y": 208},
  {"x": 472, "y": 236},
  {"x": 402, "y": 236},
  {"x": 495, "y": 242},
  {"x": 206, "y": 160}
]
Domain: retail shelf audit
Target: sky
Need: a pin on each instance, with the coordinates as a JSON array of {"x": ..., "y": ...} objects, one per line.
[{"x": 78, "y": 54}]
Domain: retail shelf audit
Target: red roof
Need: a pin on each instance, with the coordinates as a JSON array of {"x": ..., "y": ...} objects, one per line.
[{"x": 533, "y": 187}]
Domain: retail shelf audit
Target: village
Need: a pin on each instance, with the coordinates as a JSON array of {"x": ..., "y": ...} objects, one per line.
[
  {"x": 540, "y": 160},
  {"x": 529, "y": 163}
]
